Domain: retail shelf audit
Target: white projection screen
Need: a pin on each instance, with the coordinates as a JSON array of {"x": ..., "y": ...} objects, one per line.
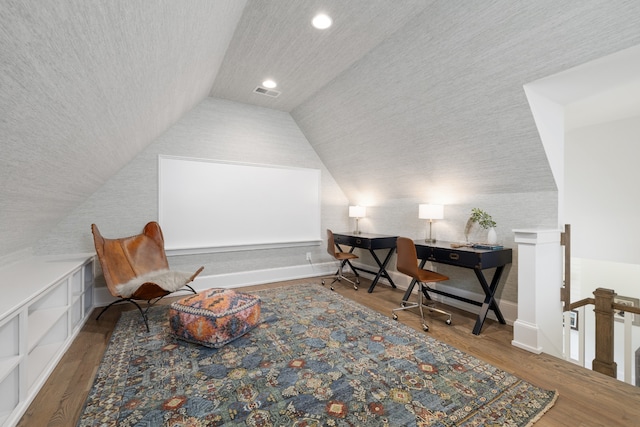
[{"x": 212, "y": 206}]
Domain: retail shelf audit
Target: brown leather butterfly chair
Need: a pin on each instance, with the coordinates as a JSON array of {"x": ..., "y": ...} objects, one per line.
[
  {"x": 407, "y": 263},
  {"x": 136, "y": 268},
  {"x": 342, "y": 258}
]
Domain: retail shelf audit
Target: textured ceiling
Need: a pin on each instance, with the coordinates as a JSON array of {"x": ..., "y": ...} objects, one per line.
[{"x": 275, "y": 39}]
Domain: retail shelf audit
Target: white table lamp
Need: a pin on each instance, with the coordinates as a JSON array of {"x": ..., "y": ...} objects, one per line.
[
  {"x": 430, "y": 212},
  {"x": 357, "y": 212}
]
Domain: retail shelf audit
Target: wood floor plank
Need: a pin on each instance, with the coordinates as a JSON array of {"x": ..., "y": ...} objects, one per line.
[{"x": 586, "y": 398}]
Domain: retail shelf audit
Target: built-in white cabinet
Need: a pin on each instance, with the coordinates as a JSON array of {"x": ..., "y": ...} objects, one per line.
[{"x": 44, "y": 302}]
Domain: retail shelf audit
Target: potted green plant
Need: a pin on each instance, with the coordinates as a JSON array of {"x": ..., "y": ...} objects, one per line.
[{"x": 484, "y": 220}]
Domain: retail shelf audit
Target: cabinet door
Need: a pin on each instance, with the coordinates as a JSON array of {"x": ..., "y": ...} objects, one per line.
[
  {"x": 9, "y": 387},
  {"x": 88, "y": 275},
  {"x": 47, "y": 328},
  {"x": 38, "y": 320},
  {"x": 9, "y": 365}
]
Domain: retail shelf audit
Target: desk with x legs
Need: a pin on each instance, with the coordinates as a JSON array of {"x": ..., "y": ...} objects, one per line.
[
  {"x": 467, "y": 257},
  {"x": 371, "y": 242}
]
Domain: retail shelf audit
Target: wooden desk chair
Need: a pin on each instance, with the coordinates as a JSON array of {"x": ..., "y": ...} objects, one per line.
[
  {"x": 407, "y": 263},
  {"x": 136, "y": 268},
  {"x": 342, "y": 258}
]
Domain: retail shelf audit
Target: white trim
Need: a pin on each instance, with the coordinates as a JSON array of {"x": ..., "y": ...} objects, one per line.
[
  {"x": 258, "y": 277},
  {"x": 539, "y": 325},
  {"x": 211, "y": 250},
  {"x": 534, "y": 236},
  {"x": 526, "y": 334}
]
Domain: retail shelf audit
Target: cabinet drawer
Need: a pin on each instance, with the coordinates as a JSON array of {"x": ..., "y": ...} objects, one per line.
[
  {"x": 368, "y": 241},
  {"x": 383, "y": 243},
  {"x": 350, "y": 240},
  {"x": 459, "y": 258}
]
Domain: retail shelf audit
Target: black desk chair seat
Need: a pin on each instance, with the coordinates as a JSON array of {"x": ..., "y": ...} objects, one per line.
[
  {"x": 342, "y": 258},
  {"x": 408, "y": 264}
]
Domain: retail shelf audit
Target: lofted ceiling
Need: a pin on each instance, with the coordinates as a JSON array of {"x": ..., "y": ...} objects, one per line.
[
  {"x": 275, "y": 39},
  {"x": 426, "y": 93}
]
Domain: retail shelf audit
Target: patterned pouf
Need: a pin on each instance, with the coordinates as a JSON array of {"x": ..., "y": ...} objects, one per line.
[{"x": 214, "y": 317}]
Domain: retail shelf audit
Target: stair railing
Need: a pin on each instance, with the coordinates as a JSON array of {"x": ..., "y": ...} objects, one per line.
[{"x": 604, "y": 309}]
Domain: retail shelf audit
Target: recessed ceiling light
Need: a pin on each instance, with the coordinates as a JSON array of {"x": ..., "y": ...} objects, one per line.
[
  {"x": 322, "y": 21},
  {"x": 269, "y": 84}
]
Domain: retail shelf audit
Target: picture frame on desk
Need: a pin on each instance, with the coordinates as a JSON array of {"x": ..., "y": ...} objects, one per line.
[{"x": 619, "y": 315}]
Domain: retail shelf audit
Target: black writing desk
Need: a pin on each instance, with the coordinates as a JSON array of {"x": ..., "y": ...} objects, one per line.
[
  {"x": 467, "y": 257},
  {"x": 370, "y": 242}
]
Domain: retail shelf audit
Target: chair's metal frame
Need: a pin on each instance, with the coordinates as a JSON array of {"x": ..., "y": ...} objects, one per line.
[
  {"x": 142, "y": 312},
  {"x": 339, "y": 276},
  {"x": 407, "y": 260},
  {"x": 422, "y": 289},
  {"x": 342, "y": 258}
]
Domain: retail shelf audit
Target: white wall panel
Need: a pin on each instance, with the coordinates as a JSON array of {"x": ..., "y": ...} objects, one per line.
[
  {"x": 208, "y": 205},
  {"x": 601, "y": 199}
]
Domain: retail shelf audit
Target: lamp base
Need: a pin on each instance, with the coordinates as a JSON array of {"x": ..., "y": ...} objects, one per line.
[
  {"x": 430, "y": 239},
  {"x": 357, "y": 231}
]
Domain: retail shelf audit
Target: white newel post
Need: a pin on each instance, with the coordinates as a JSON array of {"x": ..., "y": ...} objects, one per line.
[{"x": 539, "y": 325}]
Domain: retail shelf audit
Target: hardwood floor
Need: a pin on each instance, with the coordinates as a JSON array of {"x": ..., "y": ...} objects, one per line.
[{"x": 586, "y": 398}]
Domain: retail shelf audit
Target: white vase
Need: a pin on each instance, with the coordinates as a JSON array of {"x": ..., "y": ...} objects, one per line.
[{"x": 492, "y": 238}]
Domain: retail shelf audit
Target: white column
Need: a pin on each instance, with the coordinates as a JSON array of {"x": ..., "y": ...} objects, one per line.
[{"x": 539, "y": 325}]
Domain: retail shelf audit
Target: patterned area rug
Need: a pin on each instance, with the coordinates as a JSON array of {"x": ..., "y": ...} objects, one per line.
[{"x": 318, "y": 359}]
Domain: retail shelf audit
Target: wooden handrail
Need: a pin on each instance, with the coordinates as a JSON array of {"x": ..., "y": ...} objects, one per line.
[
  {"x": 580, "y": 303},
  {"x": 626, "y": 308},
  {"x": 614, "y": 306},
  {"x": 604, "y": 308}
]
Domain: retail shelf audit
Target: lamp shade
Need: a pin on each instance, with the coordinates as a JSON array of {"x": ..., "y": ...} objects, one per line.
[
  {"x": 429, "y": 211},
  {"x": 357, "y": 211}
]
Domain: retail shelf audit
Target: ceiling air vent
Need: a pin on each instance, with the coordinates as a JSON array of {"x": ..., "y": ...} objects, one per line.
[{"x": 268, "y": 92}]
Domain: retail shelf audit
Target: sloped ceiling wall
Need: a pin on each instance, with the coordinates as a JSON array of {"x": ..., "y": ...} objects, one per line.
[
  {"x": 85, "y": 86},
  {"x": 438, "y": 108}
]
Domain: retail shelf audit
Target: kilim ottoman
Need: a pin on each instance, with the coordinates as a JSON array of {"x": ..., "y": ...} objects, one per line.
[{"x": 214, "y": 317}]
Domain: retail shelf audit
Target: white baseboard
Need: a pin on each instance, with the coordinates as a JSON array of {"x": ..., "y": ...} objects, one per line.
[
  {"x": 259, "y": 277},
  {"x": 525, "y": 336}
]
